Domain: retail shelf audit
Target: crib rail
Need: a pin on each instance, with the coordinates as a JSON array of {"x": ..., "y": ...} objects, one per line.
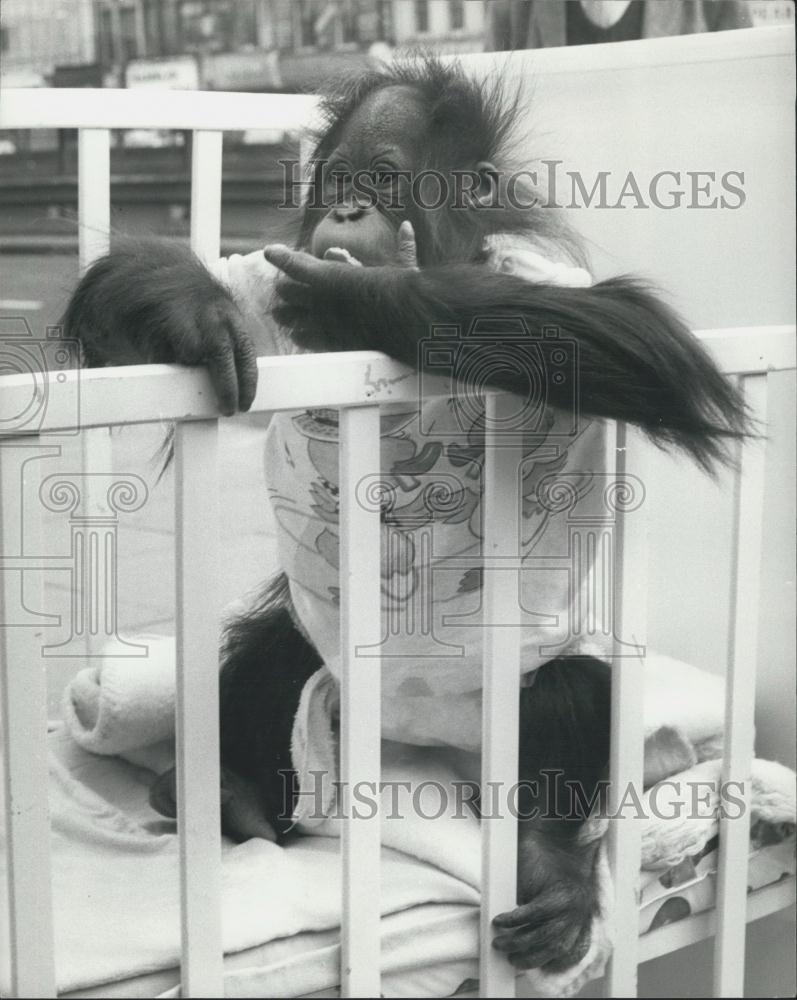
[{"x": 357, "y": 383}]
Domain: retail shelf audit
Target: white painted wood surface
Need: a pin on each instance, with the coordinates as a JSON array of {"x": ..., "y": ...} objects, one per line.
[
  {"x": 94, "y": 195},
  {"x": 501, "y": 688},
  {"x": 761, "y": 903},
  {"x": 206, "y": 195},
  {"x": 747, "y": 351},
  {"x": 700, "y": 926},
  {"x": 641, "y": 54},
  {"x": 734, "y": 842},
  {"x": 116, "y": 395},
  {"x": 627, "y": 722},
  {"x": 179, "y": 109},
  {"x": 94, "y": 241},
  {"x": 143, "y": 393},
  {"x": 197, "y": 711},
  {"x": 361, "y": 710},
  {"x": 23, "y": 692}
]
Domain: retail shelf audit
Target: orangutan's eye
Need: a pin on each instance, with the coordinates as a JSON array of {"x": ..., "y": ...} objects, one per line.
[
  {"x": 338, "y": 176},
  {"x": 383, "y": 174}
]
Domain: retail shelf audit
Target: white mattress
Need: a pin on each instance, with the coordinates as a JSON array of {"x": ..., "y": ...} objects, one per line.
[
  {"x": 271, "y": 969},
  {"x": 429, "y": 935}
]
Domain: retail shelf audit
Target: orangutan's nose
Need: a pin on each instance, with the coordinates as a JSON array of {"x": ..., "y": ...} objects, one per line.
[{"x": 349, "y": 212}]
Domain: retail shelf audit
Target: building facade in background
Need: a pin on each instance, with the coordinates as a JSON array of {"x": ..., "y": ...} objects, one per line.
[
  {"x": 766, "y": 12},
  {"x": 38, "y": 35},
  {"x": 258, "y": 45}
]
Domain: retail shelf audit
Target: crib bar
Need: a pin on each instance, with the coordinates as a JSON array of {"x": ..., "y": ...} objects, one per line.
[
  {"x": 196, "y": 570},
  {"x": 109, "y": 107},
  {"x": 93, "y": 194},
  {"x": 94, "y": 237},
  {"x": 360, "y": 741},
  {"x": 751, "y": 350},
  {"x": 23, "y": 693},
  {"x": 130, "y": 395},
  {"x": 734, "y": 845},
  {"x": 627, "y": 723},
  {"x": 501, "y": 690},
  {"x": 206, "y": 195},
  {"x": 143, "y": 393}
]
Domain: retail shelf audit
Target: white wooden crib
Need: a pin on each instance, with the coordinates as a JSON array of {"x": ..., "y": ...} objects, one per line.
[{"x": 357, "y": 383}]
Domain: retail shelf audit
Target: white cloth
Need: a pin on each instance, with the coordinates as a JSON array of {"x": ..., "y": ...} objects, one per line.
[
  {"x": 115, "y": 862},
  {"x": 122, "y": 704},
  {"x": 116, "y": 883},
  {"x": 432, "y": 651},
  {"x": 429, "y": 489}
]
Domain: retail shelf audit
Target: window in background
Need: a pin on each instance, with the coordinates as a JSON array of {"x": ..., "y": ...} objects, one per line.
[
  {"x": 305, "y": 15},
  {"x": 158, "y": 42},
  {"x": 244, "y": 24},
  {"x": 456, "y": 14},
  {"x": 217, "y": 25},
  {"x": 348, "y": 28},
  {"x": 384, "y": 11},
  {"x": 117, "y": 34},
  {"x": 320, "y": 24},
  {"x": 421, "y": 16}
]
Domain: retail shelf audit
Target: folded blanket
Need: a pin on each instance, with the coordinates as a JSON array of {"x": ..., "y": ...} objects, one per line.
[
  {"x": 116, "y": 869},
  {"x": 122, "y": 705},
  {"x": 126, "y": 705},
  {"x": 106, "y": 706}
]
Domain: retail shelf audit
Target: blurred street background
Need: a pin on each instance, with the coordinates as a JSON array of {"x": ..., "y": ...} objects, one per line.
[
  {"x": 266, "y": 46},
  {"x": 261, "y": 46}
]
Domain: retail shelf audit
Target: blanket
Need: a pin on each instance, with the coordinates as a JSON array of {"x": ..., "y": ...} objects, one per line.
[{"x": 115, "y": 861}]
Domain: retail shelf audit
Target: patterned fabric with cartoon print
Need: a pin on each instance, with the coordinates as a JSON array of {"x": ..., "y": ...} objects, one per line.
[{"x": 429, "y": 494}]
